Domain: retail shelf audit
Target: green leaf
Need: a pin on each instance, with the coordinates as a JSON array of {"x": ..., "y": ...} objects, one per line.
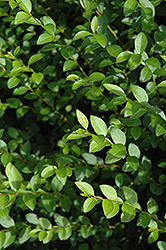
[
  {"x": 37, "y": 77},
  {"x": 44, "y": 38},
  {"x": 130, "y": 195},
  {"x": 35, "y": 182},
  {"x": 48, "y": 237},
  {"x": 89, "y": 203},
  {"x": 42, "y": 235},
  {"x": 45, "y": 223},
  {"x": 2, "y": 238},
  {"x": 96, "y": 76},
  {"x": 35, "y": 58},
  {"x": 145, "y": 75},
  {"x": 133, "y": 162},
  {"x": 116, "y": 153},
  {"x": 81, "y": 34},
  {"x": 21, "y": 17},
  {"x": 48, "y": 171},
  {"x": 101, "y": 39},
  {"x": 147, "y": 4},
  {"x": 140, "y": 94},
  {"x": 90, "y": 158},
  {"x": 82, "y": 119},
  {"x": 110, "y": 208},
  {"x": 143, "y": 220},
  {"x": 9, "y": 238},
  {"x": 162, "y": 84},
  {"x": 69, "y": 65},
  {"x": 114, "y": 89},
  {"x": 14, "y": 177},
  {"x": 134, "y": 150},
  {"x": 119, "y": 180},
  {"x": 80, "y": 133},
  {"x": 123, "y": 56},
  {"x": 71, "y": 77},
  {"x": 6, "y": 158},
  {"x": 98, "y": 125},
  {"x": 24, "y": 235},
  {"x": 134, "y": 61},
  {"x": 32, "y": 218},
  {"x": 26, "y": 5},
  {"x": 160, "y": 129},
  {"x": 3, "y": 201},
  {"x": 152, "y": 206},
  {"x": 94, "y": 24},
  {"x": 153, "y": 237},
  {"x": 128, "y": 213},
  {"x": 12, "y": 82},
  {"x": 161, "y": 245},
  {"x": 129, "y": 7},
  {"x": 85, "y": 187},
  {"x": 64, "y": 233},
  {"x": 114, "y": 50},
  {"x": 20, "y": 90},
  {"x": 136, "y": 132},
  {"x": 118, "y": 135},
  {"x": 29, "y": 201},
  {"x": 140, "y": 43},
  {"x": 109, "y": 192}
]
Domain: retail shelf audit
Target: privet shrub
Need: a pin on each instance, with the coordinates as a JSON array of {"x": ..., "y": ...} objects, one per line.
[{"x": 83, "y": 86}]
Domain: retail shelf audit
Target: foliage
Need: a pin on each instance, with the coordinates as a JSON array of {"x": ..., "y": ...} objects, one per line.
[{"x": 83, "y": 109}]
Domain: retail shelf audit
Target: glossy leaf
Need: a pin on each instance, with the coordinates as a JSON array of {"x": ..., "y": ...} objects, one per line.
[
  {"x": 140, "y": 94},
  {"x": 85, "y": 187},
  {"x": 101, "y": 39},
  {"x": 109, "y": 192},
  {"x": 89, "y": 203},
  {"x": 29, "y": 200},
  {"x": 130, "y": 195},
  {"x": 98, "y": 125},
  {"x": 82, "y": 119},
  {"x": 141, "y": 42},
  {"x": 130, "y": 6},
  {"x": 110, "y": 208},
  {"x": 118, "y": 135}
]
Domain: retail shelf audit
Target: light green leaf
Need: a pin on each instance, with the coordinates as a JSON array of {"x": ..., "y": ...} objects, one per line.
[
  {"x": 90, "y": 158},
  {"x": 140, "y": 94},
  {"x": 9, "y": 238},
  {"x": 96, "y": 76},
  {"x": 118, "y": 135},
  {"x": 162, "y": 84},
  {"x": 48, "y": 171},
  {"x": 101, "y": 39},
  {"x": 153, "y": 237},
  {"x": 35, "y": 182},
  {"x": 64, "y": 233},
  {"x": 42, "y": 235},
  {"x": 134, "y": 61},
  {"x": 140, "y": 42},
  {"x": 80, "y": 133},
  {"x": 82, "y": 119},
  {"x": 35, "y": 58},
  {"x": 148, "y": 4},
  {"x": 130, "y": 195},
  {"x": 2, "y": 238},
  {"x": 12, "y": 82},
  {"x": 29, "y": 200},
  {"x": 24, "y": 235},
  {"x": 114, "y": 50},
  {"x": 89, "y": 203},
  {"x": 45, "y": 223},
  {"x": 14, "y": 177},
  {"x": 152, "y": 206},
  {"x": 37, "y": 77},
  {"x": 69, "y": 65},
  {"x": 116, "y": 153},
  {"x": 85, "y": 187},
  {"x": 161, "y": 245},
  {"x": 3, "y": 201},
  {"x": 133, "y": 162},
  {"x": 128, "y": 213},
  {"x": 26, "y": 4},
  {"x": 110, "y": 208},
  {"x": 21, "y": 17},
  {"x": 81, "y": 34},
  {"x": 145, "y": 74},
  {"x": 94, "y": 24},
  {"x": 143, "y": 220},
  {"x": 123, "y": 56},
  {"x": 134, "y": 150},
  {"x": 160, "y": 129},
  {"x": 44, "y": 38},
  {"x": 71, "y": 77},
  {"x": 32, "y": 218},
  {"x": 129, "y": 7},
  {"x": 109, "y": 192},
  {"x": 114, "y": 89},
  {"x": 98, "y": 125}
]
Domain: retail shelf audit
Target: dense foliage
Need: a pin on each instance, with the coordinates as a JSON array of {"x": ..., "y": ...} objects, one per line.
[{"x": 83, "y": 124}]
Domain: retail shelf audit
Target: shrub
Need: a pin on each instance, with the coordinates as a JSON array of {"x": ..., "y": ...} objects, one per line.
[{"x": 83, "y": 86}]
